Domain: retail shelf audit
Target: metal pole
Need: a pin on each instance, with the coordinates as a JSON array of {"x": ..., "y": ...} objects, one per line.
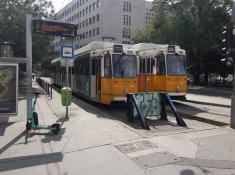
[
  {"x": 29, "y": 63},
  {"x": 232, "y": 122},
  {"x": 67, "y": 85}
]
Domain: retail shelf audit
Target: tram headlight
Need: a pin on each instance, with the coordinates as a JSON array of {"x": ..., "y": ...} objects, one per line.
[
  {"x": 125, "y": 92},
  {"x": 177, "y": 88}
]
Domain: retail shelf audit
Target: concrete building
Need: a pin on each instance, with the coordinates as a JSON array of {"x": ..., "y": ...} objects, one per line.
[
  {"x": 108, "y": 20},
  {"x": 149, "y": 13}
]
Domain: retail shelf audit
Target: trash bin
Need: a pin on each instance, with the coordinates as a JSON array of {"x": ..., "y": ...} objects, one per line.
[{"x": 66, "y": 96}]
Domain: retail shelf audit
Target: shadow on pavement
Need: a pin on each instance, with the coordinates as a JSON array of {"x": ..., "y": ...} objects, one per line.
[
  {"x": 52, "y": 137},
  {"x": 8, "y": 145},
  {"x": 4, "y": 126},
  {"x": 187, "y": 172},
  {"x": 29, "y": 161}
]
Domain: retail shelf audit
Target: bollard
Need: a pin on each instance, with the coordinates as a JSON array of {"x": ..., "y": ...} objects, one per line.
[
  {"x": 48, "y": 92},
  {"x": 51, "y": 90},
  {"x": 130, "y": 108},
  {"x": 45, "y": 86},
  {"x": 163, "y": 113}
]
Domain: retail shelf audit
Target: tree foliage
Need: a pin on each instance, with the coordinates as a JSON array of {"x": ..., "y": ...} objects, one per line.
[
  {"x": 12, "y": 25},
  {"x": 195, "y": 25}
]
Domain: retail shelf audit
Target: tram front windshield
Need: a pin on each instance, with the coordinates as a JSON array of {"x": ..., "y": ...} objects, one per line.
[
  {"x": 175, "y": 65},
  {"x": 124, "y": 66}
]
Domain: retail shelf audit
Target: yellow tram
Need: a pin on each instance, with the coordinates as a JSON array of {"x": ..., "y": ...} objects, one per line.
[
  {"x": 161, "y": 68},
  {"x": 104, "y": 72}
]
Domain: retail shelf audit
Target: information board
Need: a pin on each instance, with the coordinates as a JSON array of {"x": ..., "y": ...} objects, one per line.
[
  {"x": 66, "y": 52},
  {"x": 8, "y": 88},
  {"x": 54, "y": 28},
  {"x": 149, "y": 103}
]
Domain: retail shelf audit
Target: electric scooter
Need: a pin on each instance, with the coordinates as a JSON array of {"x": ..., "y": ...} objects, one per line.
[{"x": 32, "y": 122}]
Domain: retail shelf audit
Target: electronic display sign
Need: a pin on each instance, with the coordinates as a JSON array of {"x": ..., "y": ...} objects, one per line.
[{"x": 54, "y": 28}]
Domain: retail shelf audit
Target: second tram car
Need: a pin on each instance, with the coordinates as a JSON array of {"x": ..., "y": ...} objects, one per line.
[{"x": 162, "y": 69}]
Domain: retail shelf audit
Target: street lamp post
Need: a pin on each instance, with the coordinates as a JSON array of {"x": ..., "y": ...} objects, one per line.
[{"x": 232, "y": 122}]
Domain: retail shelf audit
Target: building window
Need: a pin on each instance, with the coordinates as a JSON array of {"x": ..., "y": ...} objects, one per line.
[
  {"x": 93, "y": 32},
  {"x": 94, "y": 6},
  {"x": 127, "y": 7},
  {"x": 126, "y": 20},
  {"x": 86, "y": 34},
  {"x": 83, "y": 24},
  {"x": 86, "y": 10},
  {"x": 98, "y": 4},
  {"x": 77, "y": 4},
  {"x": 90, "y": 33},
  {"x": 90, "y": 8},
  {"x": 90, "y": 21},
  {"x": 97, "y": 31},
  {"x": 126, "y": 32},
  {"x": 86, "y": 22},
  {"x": 98, "y": 17},
  {"x": 93, "y": 19}
]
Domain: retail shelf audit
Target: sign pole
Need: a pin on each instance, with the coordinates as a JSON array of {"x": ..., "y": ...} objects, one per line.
[
  {"x": 67, "y": 85},
  {"x": 29, "y": 63},
  {"x": 232, "y": 121}
]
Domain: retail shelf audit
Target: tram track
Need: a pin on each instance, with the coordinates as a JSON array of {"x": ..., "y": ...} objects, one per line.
[{"x": 211, "y": 114}]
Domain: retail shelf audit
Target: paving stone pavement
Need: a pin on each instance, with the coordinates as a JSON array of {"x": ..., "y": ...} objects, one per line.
[{"x": 92, "y": 142}]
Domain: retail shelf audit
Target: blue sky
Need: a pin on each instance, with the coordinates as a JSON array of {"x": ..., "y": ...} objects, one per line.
[{"x": 58, "y": 4}]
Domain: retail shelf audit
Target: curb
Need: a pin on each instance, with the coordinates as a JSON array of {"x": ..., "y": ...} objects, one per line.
[
  {"x": 207, "y": 103},
  {"x": 200, "y": 119}
]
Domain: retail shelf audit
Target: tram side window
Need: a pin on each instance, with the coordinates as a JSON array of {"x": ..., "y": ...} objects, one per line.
[
  {"x": 107, "y": 66},
  {"x": 153, "y": 66},
  {"x": 148, "y": 66},
  {"x": 80, "y": 66},
  {"x": 161, "y": 70},
  {"x": 141, "y": 66},
  {"x": 86, "y": 70}
]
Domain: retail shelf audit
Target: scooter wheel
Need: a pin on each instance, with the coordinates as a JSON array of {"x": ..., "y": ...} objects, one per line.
[
  {"x": 28, "y": 125},
  {"x": 56, "y": 128},
  {"x": 35, "y": 118}
]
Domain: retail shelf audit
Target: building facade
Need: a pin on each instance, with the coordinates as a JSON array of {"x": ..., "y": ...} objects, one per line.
[
  {"x": 107, "y": 20},
  {"x": 149, "y": 13}
]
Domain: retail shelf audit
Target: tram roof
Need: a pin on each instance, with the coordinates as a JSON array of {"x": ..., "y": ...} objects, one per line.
[
  {"x": 148, "y": 46},
  {"x": 94, "y": 46}
]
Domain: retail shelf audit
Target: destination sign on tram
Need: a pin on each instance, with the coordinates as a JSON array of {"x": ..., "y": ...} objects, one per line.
[{"x": 54, "y": 28}]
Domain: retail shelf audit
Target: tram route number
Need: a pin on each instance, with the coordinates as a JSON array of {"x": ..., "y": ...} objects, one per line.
[{"x": 54, "y": 28}]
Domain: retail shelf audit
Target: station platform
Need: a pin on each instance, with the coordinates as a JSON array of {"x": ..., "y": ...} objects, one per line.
[{"x": 92, "y": 141}]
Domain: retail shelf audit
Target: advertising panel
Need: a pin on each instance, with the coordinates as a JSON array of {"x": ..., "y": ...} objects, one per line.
[{"x": 8, "y": 88}]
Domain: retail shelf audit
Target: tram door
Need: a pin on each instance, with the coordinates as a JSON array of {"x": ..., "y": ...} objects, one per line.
[{"x": 96, "y": 78}]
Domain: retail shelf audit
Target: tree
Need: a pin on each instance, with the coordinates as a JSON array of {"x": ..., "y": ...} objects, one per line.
[
  {"x": 12, "y": 25},
  {"x": 195, "y": 25}
]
